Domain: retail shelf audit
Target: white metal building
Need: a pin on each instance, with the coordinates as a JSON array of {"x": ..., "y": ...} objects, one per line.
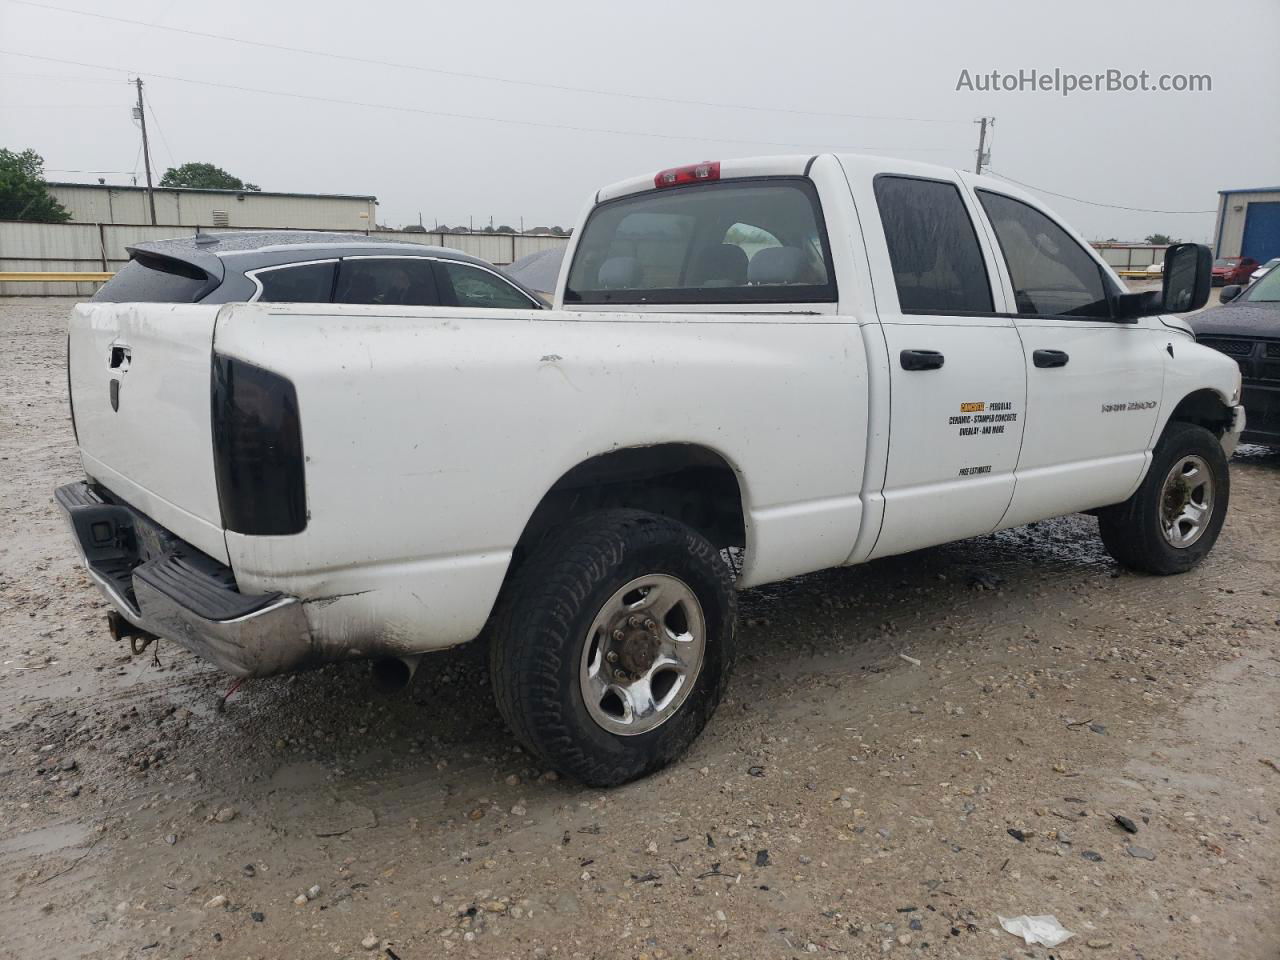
[{"x": 187, "y": 207}]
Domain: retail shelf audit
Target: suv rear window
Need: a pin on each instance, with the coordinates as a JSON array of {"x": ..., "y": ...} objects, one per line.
[
  {"x": 735, "y": 241},
  {"x": 148, "y": 278}
]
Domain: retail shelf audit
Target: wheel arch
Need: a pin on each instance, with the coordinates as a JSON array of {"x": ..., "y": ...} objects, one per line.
[
  {"x": 1205, "y": 407},
  {"x": 689, "y": 482}
]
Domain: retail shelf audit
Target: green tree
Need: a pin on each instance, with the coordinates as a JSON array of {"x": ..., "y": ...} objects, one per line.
[
  {"x": 23, "y": 192},
  {"x": 1160, "y": 240},
  {"x": 203, "y": 176}
]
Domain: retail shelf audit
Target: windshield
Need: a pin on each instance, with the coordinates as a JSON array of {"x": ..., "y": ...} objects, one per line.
[
  {"x": 734, "y": 241},
  {"x": 1266, "y": 289}
]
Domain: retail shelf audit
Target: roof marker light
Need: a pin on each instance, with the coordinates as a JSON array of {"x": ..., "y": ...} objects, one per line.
[{"x": 693, "y": 173}]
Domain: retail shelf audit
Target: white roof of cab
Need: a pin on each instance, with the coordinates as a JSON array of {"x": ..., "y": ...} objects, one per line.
[
  {"x": 787, "y": 166},
  {"x": 794, "y": 165}
]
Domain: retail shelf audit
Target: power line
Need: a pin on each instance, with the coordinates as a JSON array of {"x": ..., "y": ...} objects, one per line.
[
  {"x": 469, "y": 116},
  {"x": 1093, "y": 203},
  {"x": 400, "y": 65},
  {"x": 51, "y": 76},
  {"x": 160, "y": 130}
]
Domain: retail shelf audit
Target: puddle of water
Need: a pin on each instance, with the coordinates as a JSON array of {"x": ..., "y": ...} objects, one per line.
[{"x": 50, "y": 839}]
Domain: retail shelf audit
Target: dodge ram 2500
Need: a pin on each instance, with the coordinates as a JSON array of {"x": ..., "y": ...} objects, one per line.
[{"x": 795, "y": 362}]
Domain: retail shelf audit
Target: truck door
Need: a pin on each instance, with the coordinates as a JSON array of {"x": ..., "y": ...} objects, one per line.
[
  {"x": 1093, "y": 384},
  {"x": 956, "y": 379}
]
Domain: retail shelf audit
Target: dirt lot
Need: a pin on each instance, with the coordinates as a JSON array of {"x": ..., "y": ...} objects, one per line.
[{"x": 843, "y": 801}]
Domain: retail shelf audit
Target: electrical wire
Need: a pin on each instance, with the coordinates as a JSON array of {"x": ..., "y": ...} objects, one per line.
[
  {"x": 1093, "y": 203},
  {"x": 50, "y": 76},
  {"x": 368, "y": 105},
  {"x": 400, "y": 65},
  {"x": 122, "y": 173},
  {"x": 160, "y": 130}
]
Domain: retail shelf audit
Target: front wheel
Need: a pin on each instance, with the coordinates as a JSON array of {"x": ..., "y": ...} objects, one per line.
[
  {"x": 613, "y": 644},
  {"x": 1173, "y": 520}
]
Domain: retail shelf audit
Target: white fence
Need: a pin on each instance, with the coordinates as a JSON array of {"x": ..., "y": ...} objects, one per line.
[{"x": 101, "y": 247}]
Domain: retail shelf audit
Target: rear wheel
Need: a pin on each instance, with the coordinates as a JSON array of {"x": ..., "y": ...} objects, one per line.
[
  {"x": 1173, "y": 520},
  {"x": 613, "y": 644}
]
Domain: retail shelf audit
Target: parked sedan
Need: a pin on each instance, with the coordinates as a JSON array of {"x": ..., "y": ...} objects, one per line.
[
  {"x": 1247, "y": 329},
  {"x": 296, "y": 267},
  {"x": 1257, "y": 274},
  {"x": 1232, "y": 270}
]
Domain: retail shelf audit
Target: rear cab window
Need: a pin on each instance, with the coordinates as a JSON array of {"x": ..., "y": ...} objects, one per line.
[
  {"x": 750, "y": 240},
  {"x": 148, "y": 278}
]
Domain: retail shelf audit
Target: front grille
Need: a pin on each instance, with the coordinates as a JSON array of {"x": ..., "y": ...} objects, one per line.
[
  {"x": 1273, "y": 350},
  {"x": 1271, "y": 371},
  {"x": 1231, "y": 347}
]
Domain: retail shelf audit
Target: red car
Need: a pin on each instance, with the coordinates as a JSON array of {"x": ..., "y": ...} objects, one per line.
[{"x": 1233, "y": 270}]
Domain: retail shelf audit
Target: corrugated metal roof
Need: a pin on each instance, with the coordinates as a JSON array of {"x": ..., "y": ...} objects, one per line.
[{"x": 260, "y": 193}]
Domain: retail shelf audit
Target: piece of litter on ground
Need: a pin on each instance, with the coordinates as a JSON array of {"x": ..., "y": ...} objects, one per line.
[
  {"x": 1045, "y": 929},
  {"x": 1125, "y": 824},
  {"x": 911, "y": 660},
  {"x": 1267, "y": 761}
]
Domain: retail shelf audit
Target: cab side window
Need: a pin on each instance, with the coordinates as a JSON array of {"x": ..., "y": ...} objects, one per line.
[
  {"x": 1051, "y": 274},
  {"x": 389, "y": 281},
  {"x": 462, "y": 285},
  {"x": 937, "y": 262}
]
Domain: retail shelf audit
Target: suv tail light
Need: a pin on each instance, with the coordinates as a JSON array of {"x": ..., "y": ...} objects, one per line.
[
  {"x": 694, "y": 173},
  {"x": 257, "y": 450}
]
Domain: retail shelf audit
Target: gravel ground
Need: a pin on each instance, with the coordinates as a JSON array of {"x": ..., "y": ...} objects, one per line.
[{"x": 844, "y": 800}]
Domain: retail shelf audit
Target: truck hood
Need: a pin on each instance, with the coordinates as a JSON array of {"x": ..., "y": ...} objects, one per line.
[{"x": 1242, "y": 320}]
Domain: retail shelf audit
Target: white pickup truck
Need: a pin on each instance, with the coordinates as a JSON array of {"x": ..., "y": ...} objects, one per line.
[{"x": 794, "y": 363}]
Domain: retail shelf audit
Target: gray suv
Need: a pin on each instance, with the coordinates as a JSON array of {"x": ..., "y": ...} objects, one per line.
[{"x": 297, "y": 267}]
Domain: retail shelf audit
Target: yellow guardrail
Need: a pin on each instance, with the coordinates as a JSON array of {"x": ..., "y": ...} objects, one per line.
[{"x": 38, "y": 276}]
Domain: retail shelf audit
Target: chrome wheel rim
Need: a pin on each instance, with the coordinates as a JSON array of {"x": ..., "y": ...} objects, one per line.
[
  {"x": 1186, "y": 502},
  {"x": 643, "y": 654}
]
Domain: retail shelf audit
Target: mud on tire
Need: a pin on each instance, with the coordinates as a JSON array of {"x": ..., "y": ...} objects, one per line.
[{"x": 547, "y": 629}]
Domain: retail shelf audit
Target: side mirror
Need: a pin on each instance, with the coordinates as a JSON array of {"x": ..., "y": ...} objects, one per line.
[
  {"x": 1188, "y": 276},
  {"x": 1229, "y": 293}
]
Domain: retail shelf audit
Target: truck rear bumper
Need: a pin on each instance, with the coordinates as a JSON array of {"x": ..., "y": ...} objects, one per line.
[{"x": 165, "y": 586}]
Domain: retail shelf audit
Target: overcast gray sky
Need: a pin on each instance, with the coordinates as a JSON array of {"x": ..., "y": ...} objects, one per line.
[{"x": 542, "y": 148}]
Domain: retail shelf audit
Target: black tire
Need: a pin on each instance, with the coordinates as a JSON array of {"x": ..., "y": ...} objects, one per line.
[
  {"x": 1133, "y": 531},
  {"x": 542, "y": 626}
]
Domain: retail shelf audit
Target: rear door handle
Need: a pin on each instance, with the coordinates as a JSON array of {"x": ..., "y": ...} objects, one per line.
[
  {"x": 1050, "y": 358},
  {"x": 921, "y": 359}
]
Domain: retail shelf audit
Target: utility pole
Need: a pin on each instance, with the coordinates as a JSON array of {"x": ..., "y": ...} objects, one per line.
[
  {"x": 141, "y": 114},
  {"x": 984, "y": 155}
]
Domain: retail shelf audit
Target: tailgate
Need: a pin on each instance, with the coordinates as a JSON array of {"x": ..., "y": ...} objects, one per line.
[{"x": 140, "y": 390}]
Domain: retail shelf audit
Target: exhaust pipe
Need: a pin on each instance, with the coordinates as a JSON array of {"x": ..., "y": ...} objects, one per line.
[{"x": 392, "y": 674}]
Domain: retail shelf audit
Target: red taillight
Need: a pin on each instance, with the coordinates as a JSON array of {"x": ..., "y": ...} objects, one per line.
[{"x": 694, "y": 173}]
